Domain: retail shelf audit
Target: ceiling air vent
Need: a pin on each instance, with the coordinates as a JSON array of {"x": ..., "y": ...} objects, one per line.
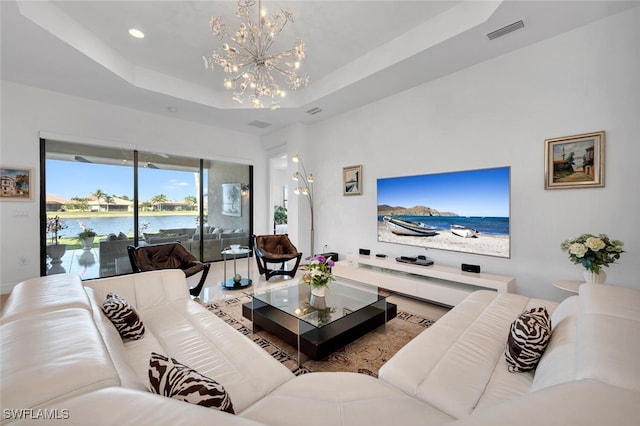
[
  {"x": 506, "y": 30},
  {"x": 259, "y": 124},
  {"x": 314, "y": 111}
]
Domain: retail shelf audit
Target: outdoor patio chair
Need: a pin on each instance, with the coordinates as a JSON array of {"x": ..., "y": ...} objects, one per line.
[
  {"x": 276, "y": 249},
  {"x": 153, "y": 257}
]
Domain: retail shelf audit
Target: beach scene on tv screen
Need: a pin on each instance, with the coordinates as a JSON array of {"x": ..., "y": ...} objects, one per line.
[{"x": 466, "y": 211}]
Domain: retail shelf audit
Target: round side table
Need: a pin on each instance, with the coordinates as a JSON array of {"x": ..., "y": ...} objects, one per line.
[
  {"x": 568, "y": 285},
  {"x": 230, "y": 283}
]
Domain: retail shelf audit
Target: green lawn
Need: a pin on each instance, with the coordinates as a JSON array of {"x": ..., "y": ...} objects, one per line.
[{"x": 74, "y": 243}]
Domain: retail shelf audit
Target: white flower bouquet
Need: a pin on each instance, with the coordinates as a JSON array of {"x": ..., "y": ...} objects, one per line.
[{"x": 593, "y": 251}]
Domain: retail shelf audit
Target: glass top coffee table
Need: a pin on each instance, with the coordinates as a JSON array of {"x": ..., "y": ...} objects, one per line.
[{"x": 318, "y": 326}]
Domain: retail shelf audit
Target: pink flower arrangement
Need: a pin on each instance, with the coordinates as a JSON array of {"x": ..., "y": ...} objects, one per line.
[
  {"x": 55, "y": 225},
  {"x": 318, "y": 272}
]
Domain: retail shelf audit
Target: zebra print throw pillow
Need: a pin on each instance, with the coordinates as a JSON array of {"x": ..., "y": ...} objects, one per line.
[
  {"x": 530, "y": 333},
  {"x": 170, "y": 378},
  {"x": 123, "y": 317}
]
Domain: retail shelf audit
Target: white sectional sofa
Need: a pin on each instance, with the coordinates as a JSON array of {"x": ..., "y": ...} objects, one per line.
[{"x": 62, "y": 359}]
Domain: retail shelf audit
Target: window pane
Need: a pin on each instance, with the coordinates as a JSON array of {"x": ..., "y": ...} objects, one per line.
[
  {"x": 90, "y": 190},
  {"x": 90, "y": 206},
  {"x": 168, "y": 192},
  {"x": 228, "y": 208}
]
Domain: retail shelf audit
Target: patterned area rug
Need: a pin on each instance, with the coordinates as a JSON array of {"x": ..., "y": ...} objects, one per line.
[{"x": 365, "y": 355}]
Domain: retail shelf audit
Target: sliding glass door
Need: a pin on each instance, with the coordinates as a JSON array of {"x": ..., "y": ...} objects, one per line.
[
  {"x": 89, "y": 207},
  {"x": 169, "y": 198},
  {"x": 99, "y": 200}
]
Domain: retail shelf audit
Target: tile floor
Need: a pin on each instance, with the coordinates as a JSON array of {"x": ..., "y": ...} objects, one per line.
[{"x": 213, "y": 289}]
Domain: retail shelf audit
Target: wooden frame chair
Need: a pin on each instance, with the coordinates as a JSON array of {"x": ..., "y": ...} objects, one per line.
[
  {"x": 275, "y": 249},
  {"x": 153, "y": 257}
]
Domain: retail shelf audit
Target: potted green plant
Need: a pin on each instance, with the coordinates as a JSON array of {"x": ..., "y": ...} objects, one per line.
[
  {"x": 86, "y": 236},
  {"x": 280, "y": 215},
  {"x": 279, "y": 219}
]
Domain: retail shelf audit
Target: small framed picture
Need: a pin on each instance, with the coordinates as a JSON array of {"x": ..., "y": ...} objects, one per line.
[
  {"x": 574, "y": 161},
  {"x": 352, "y": 180},
  {"x": 232, "y": 199},
  {"x": 16, "y": 183}
]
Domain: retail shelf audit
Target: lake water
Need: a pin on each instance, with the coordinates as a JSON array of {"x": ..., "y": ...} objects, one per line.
[{"x": 108, "y": 225}]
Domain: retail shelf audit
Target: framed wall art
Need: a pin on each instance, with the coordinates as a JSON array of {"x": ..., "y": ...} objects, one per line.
[
  {"x": 16, "y": 183},
  {"x": 352, "y": 180},
  {"x": 574, "y": 161},
  {"x": 231, "y": 199}
]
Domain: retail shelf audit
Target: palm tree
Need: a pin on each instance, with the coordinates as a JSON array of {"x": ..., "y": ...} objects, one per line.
[
  {"x": 191, "y": 201},
  {"x": 108, "y": 199},
  {"x": 159, "y": 199},
  {"x": 99, "y": 194},
  {"x": 81, "y": 203}
]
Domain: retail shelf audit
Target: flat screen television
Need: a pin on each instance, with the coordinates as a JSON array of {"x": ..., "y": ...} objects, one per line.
[{"x": 465, "y": 211}]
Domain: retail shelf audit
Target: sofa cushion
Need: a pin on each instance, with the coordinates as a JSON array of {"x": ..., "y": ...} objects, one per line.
[
  {"x": 609, "y": 320},
  {"x": 527, "y": 340},
  {"x": 340, "y": 398},
  {"x": 558, "y": 363},
  {"x": 167, "y": 285},
  {"x": 119, "y": 406},
  {"x": 168, "y": 239},
  {"x": 44, "y": 294},
  {"x": 190, "y": 333},
  {"x": 182, "y": 328},
  {"x": 576, "y": 403},
  {"x": 51, "y": 356},
  {"x": 123, "y": 317},
  {"x": 454, "y": 365},
  {"x": 170, "y": 378},
  {"x": 115, "y": 345}
]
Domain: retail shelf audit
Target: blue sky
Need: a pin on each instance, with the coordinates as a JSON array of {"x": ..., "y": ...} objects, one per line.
[
  {"x": 469, "y": 193},
  {"x": 67, "y": 179}
]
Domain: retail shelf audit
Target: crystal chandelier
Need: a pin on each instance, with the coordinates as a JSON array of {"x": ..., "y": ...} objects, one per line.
[{"x": 245, "y": 57}]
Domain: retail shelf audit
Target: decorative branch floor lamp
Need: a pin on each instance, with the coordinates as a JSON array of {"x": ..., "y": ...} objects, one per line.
[{"x": 305, "y": 187}]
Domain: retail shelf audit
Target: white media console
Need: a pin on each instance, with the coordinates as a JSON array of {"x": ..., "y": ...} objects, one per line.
[{"x": 441, "y": 284}]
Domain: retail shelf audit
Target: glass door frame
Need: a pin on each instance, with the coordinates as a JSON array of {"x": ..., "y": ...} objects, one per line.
[{"x": 136, "y": 216}]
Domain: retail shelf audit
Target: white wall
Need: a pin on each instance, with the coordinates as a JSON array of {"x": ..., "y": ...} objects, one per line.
[
  {"x": 493, "y": 114},
  {"x": 26, "y": 111},
  {"x": 499, "y": 113},
  {"x": 295, "y": 139},
  {"x": 278, "y": 178}
]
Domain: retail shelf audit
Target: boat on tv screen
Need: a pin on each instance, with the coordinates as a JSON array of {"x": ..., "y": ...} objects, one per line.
[{"x": 466, "y": 211}]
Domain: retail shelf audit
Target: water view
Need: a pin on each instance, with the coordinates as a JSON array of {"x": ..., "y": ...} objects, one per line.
[
  {"x": 106, "y": 225},
  {"x": 484, "y": 225}
]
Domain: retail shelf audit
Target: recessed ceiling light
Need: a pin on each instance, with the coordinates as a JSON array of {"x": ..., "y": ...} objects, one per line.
[{"x": 133, "y": 32}]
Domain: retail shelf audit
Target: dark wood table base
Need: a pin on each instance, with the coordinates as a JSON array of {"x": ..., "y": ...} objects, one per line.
[{"x": 317, "y": 343}]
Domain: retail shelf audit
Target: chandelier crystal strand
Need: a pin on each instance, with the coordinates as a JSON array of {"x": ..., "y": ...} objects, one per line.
[{"x": 244, "y": 55}]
